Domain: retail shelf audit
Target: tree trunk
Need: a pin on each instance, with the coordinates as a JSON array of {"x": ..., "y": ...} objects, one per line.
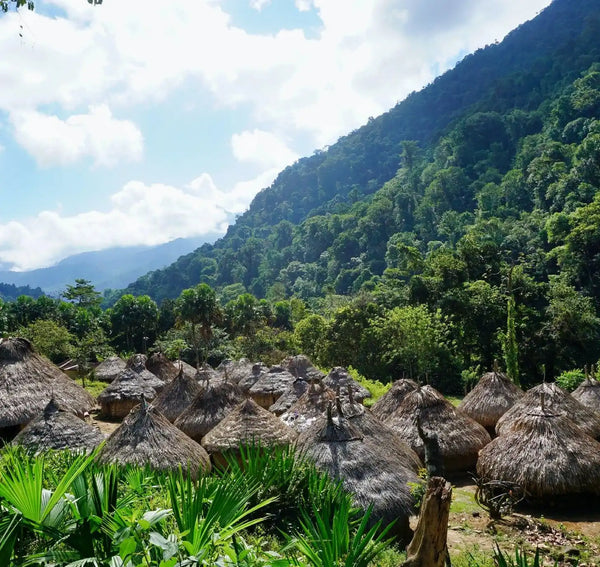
[{"x": 428, "y": 547}]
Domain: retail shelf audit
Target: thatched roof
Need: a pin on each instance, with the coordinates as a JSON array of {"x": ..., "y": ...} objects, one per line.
[
  {"x": 557, "y": 400},
  {"x": 309, "y": 407},
  {"x": 56, "y": 429},
  {"x": 207, "y": 374},
  {"x": 491, "y": 398},
  {"x": 137, "y": 363},
  {"x": 248, "y": 423},
  {"x": 339, "y": 377},
  {"x": 366, "y": 467},
  {"x": 252, "y": 374},
  {"x": 301, "y": 366},
  {"x": 545, "y": 453},
  {"x": 188, "y": 369},
  {"x": 146, "y": 437},
  {"x": 125, "y": 392},
  {"x": 28, "y": 381},
  {"x": 459, "y": 437},
  {"x": 161, "y": 367},
  {"x": 208, "y": 408},
  {"x": 109, "y": 369},
  {"x": 235, "y": 370},
  {"x": 391, "y": 400},
  {"x": 270, "y": 386},
  {"x": 177, "y": 396},
  {"x": 284, "y": 402},
  {"x": 588, "y": 394}
]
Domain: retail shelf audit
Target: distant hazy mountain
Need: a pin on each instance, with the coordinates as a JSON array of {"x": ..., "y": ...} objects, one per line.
[{"x": 111, "y": 268}]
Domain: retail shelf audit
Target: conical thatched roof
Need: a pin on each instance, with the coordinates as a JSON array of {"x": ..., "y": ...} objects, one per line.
[
  {"x": 301, "y": 366},
  {"x": 491, "y": 398},
  {"x": 366, "y": 467},
  {"x": 270, "y": 386},
  {"x": 251, "y": 375},
  {"x": 309, "y": 407},
  {"x": 188, "y": 369},
  {"x": 588, "y": 394},
  {"x": 284, "y": 402},
  {"x": 137, "y": 363},
  {"x": 161, "y": 367},
  {"x": 28, "y": 381},
  {"x": 546, "y": 454},
  {"x": 391, "y": 400},
  {"x": 177, "y": 396},
  {"x": 208, "y": 408},
  {"x": 248, "y": 423},
  {"x": 109, "y": 368},
  {"x": 207, "y": 374},
  {"x": 235, "y": 370},
  {"x": 339, "y": 377},
  {"x": 557, "y": 400},
  {"x": 124, "y": 393},
  {"x": 459, "y": 437},
  {"x": 146, "y": 437},
  {"x": 58, "y": 429}
]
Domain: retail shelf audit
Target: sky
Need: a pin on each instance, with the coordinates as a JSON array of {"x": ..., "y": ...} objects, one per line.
[{"x": 137, "y": 122}]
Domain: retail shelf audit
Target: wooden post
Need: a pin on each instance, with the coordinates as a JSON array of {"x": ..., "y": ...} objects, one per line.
[{"x": 428, "y": 547}]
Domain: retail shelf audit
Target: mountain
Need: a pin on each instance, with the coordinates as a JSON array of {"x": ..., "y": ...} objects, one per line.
[
  {"x": 315, "y": 229},
  {"x": 110, "y": 268}
]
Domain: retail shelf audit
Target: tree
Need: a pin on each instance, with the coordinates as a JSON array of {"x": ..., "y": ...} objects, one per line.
[
  {"x": 50, "y": 339},
  {"x": 134, "y": 321},
  {"x": 83, "y": 294}
]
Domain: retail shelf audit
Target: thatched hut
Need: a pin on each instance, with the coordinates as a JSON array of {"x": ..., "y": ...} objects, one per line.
[
  {"x": 246, "y": 424},
  {"x": 161, "y": 367},
  {"x": 206, "y": 374},
  {"x": 391, "y": 400},
  {"x": 124, "y": 393},
  {"x": 177, "y": 396},
  {"x": 588, "y": 394},
  {"x": 490, "y": 399},
  {"x": 557, "y": 400},
  {"x": 458, "y": 436},
  {"x": 137, "y": 363},
  {"x": 208, "y": 408},
  {"x": 284, "y": 402},
  {"x": 109, "y": 369},
  {"x": 270, "y": 386},
  {"x": 27, "y": 383},
  {"x": 339, "y": 378},
  {"x": 545, "y": 454},
  {"x": 252, "y": 375},
  {"x": 147, "y": 438},
  {"x": 235, "y": 370},
  {"x": 188, "y": 369},
  {"x": 300, "y": 366},
  {"x": 309, "y": 407},
  {"x": 57, "y": 429},
  {"x": 366, "y": 467}
]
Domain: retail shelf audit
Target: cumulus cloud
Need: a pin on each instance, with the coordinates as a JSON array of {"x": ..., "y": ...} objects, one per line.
[
  {"x": 262, "y": 148},
  {"x": 53, "y": 141}
]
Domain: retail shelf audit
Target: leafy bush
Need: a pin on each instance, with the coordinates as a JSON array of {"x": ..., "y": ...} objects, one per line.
[{"x": 570, "y": 379}]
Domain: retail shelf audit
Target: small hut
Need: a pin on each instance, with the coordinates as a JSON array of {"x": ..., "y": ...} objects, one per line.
[
  {"x": 588, "y": 393},
  {"x": 366, "y": 467},
  {"x": 206, "y": 374},
  {"x": 208, "y": 408},
  {"x": 301, "y": 366},
  {"x": 57, "y": 429},
  {"x": 252, "y": 375},
  {"x": 557, "y": 400},
  {"x": 309, "y": 407},
  {"x": 147, "y": 438},
  {"x": 247, "y": 424},
  {"x": 124, "y": 393},
  {"x": 177, "y": 396},
  {"x": 27, "y": 383},
  {"x": 161, "y": 367},
  {"x": 137, "y": 363},
  {"x": 188, "y": 369},
  {"x": 235, "y": 370},
  {"x": 339, "y": 378},
  {"x": 490, "y": 399},
  {"x": 284, "y": 402},
  {"x": 391, "y": 400},
  {"x": 458, "y": 437},
  {"x": 270, "y": 386},
  {"x": 545, "y": 454},
  {"x": 109, "y": 369}
]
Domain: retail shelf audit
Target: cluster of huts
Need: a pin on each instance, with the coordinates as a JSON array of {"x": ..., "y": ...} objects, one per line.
[{"x": 174, "y": 415}]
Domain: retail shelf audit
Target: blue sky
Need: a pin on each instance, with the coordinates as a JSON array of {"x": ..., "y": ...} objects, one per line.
[{"x": 137, "y": 122}]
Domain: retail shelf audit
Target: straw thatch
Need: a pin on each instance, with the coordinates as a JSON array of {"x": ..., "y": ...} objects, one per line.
[
  {"x": 309, "y": 407},
  {"x": 109, "y": 369},
  {"x": 366, "y": 467},
  {"x": 124, "y": 393},
  {"x": 339, "y": 378},
  {"x": 459, "y": 437},
  {"x": 208, "y": 408},
  {"x": 251, "y": 376},
  {"x": 301, "y": 366},
  {"x": 57, "y": 429},
  {"x": 270, "y": 386},
  {"x": 391, "y": 400},
  {"x": 235, "y": 370},
  {"x": 188, "y": 369},
  {"x": 137, "y": 363},
  {"x": 544, "y": 453},
  {"x": 557, "y": 400},
  {"x": 177, "y": 396},
  {"x": 28, "y": 381},
  {"x": 588, "y": 394},
  {"x": 490, "y": 399},
  {"x": 146, "y": 437},
  {"x": 207, "y": 374},
  {"x": 298, "y": 388},
  {"x": 161, "y": 367},
  {"x": 247, "y": 424}
]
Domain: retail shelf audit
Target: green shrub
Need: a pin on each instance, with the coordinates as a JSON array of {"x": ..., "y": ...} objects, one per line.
[{"x": 570, "y": 379}]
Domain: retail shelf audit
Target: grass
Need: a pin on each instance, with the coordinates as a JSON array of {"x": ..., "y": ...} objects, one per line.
[{"x": 94, "y": 387}]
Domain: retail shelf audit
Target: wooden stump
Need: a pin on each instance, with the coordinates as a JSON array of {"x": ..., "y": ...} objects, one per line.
[{"x": 428, "y": 547}]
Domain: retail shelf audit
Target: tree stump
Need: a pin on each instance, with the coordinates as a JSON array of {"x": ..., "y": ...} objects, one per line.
[{"x": 428, "y": 547}]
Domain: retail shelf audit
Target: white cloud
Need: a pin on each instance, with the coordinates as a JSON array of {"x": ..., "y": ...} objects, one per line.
[
  {"x": 262, "y": 148},
  {"x": 259, "y": 4},
  {"x": 52, "y": 141}
]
